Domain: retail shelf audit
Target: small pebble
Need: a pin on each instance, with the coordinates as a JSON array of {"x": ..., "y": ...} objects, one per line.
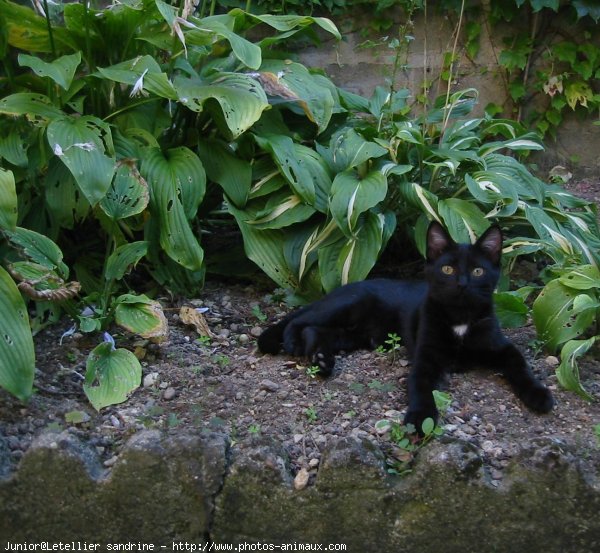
[
  {"x": 110, "y": 462},
  {"x": 552, "y": 361},
  {"x": 269, "y": 386},
  {"x": 243, "y": 338},
  {"x": 256, "y": 331},
  {"x": 169, "y": 393},
  {"x": 301, "y": 479},
  {"x": 150, "y": 380}
]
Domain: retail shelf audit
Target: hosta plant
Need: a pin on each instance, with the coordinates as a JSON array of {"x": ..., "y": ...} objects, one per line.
[
  {"x": 106, "y": 116},
  {"x": 565, "y": 314}
]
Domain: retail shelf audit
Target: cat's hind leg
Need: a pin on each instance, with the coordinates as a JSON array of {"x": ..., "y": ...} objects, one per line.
[{"x": 273, "y": 338}]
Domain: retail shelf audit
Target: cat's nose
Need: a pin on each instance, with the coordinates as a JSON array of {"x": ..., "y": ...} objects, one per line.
[{"x": 462, "y": 281}]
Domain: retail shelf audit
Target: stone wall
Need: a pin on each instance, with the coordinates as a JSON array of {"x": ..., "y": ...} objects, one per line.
[
  {"x": 361, "y": 69},
  {"x": 195, "y": 489}
]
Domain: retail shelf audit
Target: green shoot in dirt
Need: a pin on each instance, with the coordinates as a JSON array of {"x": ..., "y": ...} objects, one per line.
[
  {"x": 378, "y": 386},
  {"x": 202, "y": 340},
  {"x": 311, "y": 414},
  {"x": 256, "y": 311},
  {"x": 390, "y": 347},
  {"x": 254, "y": 429},
  {"x": 405, "y": 439},
  {"x": 312, "y": 371},
  {"x": 222, "y": 360}
]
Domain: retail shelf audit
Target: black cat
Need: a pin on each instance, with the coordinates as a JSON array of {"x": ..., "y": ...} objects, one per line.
[{"x": 446, "y": 322}]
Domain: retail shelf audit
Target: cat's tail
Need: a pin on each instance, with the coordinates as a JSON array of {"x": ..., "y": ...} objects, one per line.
[{"x": 271, "y": 339}]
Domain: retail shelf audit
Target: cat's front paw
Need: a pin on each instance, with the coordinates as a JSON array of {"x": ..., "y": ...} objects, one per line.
[
  {"x": 538, "y": 398},
  {"x": 416, "y": 417}
]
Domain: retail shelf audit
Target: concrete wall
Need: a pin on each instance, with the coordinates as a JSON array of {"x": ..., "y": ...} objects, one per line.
[{"x": 194, "y": 490}]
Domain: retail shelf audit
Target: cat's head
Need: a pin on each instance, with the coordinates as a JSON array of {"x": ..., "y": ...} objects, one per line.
[{"x": 462, "y": 273}]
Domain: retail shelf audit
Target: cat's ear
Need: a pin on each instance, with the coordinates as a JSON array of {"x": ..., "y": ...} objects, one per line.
[
  {"x": 438, "y": 241},
  {"x": 490, "y": 243}
]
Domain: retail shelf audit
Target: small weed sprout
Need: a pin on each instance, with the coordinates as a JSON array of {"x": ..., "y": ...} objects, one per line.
[
  {"x": 378, "y": 386},
  {"x": 254, "y": 429},
  {"x": 222, "y": 360},
  {"x": 311, "y": 414},
  {"x": 405, "y": 439},
  {"x": 390, "y": 347},
  {"x": 312, "y": 371},
  {"x": 172, "y": 420},
  {"x": 256, "y": 311},
  {"x": 202, "y": 340},
  {"x": 443, "y": 400}
]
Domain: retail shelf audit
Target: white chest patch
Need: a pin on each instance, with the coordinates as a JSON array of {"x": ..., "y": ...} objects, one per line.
[{"x": 460, "y": 330}]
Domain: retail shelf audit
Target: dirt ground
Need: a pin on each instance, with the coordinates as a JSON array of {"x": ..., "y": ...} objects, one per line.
[{"x": 225, "y": 385}]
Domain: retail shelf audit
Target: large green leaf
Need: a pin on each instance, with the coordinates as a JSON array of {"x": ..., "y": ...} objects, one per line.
[
  {"x": 111, "y": 375},
  {"x": 568, "y": 370},
  {"x": 352, "y": 195},
  {"x": 321, "y": 236},
  {"x": 294, "y": 170},
  {"x": 141, "y": 315},
  {"x": 418, "y": 196},
  {"x": 350, "y": 260},
  {"x": 241, "y": 98},
  {"x": 63, "y": 199},
  {"x": 231, "y": 172},
  {"x": 317, "y": 170},
  {"x": 555, "y": 317},
  {"x": 511, "y": 309},
  {"x": 128, "y": 193},
  {"x": 266, "y": 249},
  {"x": 119, "y": 262},
  {"x": 174, "y": 200},
  {"x": 13, "y": 144},
  {"x": 528, "y": 142},
  {"x": 8, "y": 200},
  {"x": 34, "y": 106},
  {"x": 38, "y": 248},
  {"x": 348, "y": 149},
  {"x": 81, "y": 144},
  {"x": 28, "y": 31},
  {"x": 493, "y": 192},
  {"x": 291, "y": 22},
  {"x": 244, "y": 50},
  {"x": 144, "y": 74},
  {"x": 463, "y": 219},
  {"x": 584, "y": 277},
  {"x": 281, "y": 210},
  {"x": 358, "y": 256},
  {"x": 17, "y": 358},
  {"x": 293, "y": 83},
  {"x": 60, "y": 70}
]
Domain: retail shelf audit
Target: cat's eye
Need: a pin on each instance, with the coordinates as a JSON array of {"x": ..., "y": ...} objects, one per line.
[
  {"x": 477, "y": 272},
  {"x": 447, "y": 269}
]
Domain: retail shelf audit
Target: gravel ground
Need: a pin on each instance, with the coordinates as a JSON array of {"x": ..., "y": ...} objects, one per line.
[{"x": 224, "y": 384}]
